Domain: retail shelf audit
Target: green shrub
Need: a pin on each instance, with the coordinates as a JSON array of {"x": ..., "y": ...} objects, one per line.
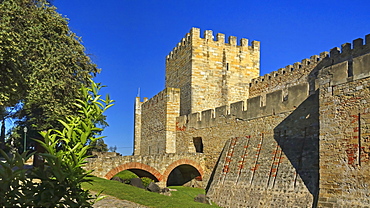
[
  {"x": 126, "y": 176},
  {"x": 58, "y": 182},
  {"x": 146, "y": 181}
]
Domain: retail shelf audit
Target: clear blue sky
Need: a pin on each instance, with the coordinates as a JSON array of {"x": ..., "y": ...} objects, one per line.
[{"x": 129, "y": 39}]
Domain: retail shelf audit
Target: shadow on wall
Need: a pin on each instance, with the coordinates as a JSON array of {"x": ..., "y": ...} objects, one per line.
[
  {"x": 182, "y": 175},
  {"x": 298, "y": 137}
]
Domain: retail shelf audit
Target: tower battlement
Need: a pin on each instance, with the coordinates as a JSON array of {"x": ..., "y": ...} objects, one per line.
[{"x": 219, "y": 39}]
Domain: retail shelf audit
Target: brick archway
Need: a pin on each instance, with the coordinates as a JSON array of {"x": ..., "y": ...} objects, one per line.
[
  {"x": 134, "y": 165},
  {"x": 177, "y": 163}
]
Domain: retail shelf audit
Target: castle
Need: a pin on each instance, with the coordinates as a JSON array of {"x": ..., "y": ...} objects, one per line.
[{"x": 296, "y": 137}]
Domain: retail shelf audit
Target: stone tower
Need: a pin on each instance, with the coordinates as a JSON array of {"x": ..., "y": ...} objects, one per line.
[
  {"x": 201, "y": 74},
  {"x": 211, "y": 72}
]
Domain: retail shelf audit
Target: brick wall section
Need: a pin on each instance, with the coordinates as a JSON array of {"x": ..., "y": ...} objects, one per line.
[{"x": 344, "y": 134}]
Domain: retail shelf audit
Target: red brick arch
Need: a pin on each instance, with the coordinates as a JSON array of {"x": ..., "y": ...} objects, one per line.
[
  {"x": 177, "y": 163},
  {"x": 134, "y": 165}
]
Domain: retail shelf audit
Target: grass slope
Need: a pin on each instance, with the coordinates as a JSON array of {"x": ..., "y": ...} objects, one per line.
[{"x": 184, "y": 197}]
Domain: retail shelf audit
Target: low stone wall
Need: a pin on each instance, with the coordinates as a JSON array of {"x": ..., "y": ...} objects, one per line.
[{"x": 159, "y": 167}]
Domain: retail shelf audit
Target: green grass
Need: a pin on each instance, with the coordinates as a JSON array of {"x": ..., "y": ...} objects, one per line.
[
  {"x": 183, "y": 197},
  {"x": 126, "y": 175}
]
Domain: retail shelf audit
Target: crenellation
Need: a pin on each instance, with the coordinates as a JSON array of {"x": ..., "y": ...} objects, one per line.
[
  {"x": 208, "y": 34},
  {"x": 314, "y": 59},
  {"x": 256, "y": 45},
  {"x": 346, "y": 48},
  {"x": 207, "y": 118},
  {"x": 220, "y": 37},
  {"x": 307, "y": 62},
  {"x": 195, "y": 32},
  {"x": 193, "y": 119},
  {"x": 334, "y": 52},
  {"x": 289, "y": 68},
  {"x": 266, "y": 77},
  {"x": 324, "y": 54},
  {"x": 296, "y": 66},
  {"x": 273, "y": 103},
  {"x": 358, "y": 43},
  {"x": 222, "y": 111},
  {"x": 282, "y": 71},
  {"x": 232, "y": 40},
  {"x": 236, "y": 109},
  {"x": 361, "y": 67},
  {"x": 244, "y": 42}
]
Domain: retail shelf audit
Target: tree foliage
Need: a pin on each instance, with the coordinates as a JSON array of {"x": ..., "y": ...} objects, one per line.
[
  {"x": 99, "y": 146},
  {"x": 42, "y": 62}
]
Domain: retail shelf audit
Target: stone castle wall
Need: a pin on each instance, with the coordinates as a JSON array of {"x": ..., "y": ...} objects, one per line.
[
  {"x": 273, "y": 155},
  {"x": 296, "y": 137},
  {"x": 345, "y": 132},
  {"x": 326, "y": 145}
]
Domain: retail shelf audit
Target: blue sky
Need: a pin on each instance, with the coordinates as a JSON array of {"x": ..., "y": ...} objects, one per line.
[{"x": 129, "y": 39}]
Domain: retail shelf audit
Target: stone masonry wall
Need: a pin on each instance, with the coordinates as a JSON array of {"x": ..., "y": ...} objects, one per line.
[
  {"x": 210, "y": 72},
  {"x": 137, "y": 125},
  {"x": 296, "y": 137},
  {"x": 158, "y": 167},
  {"x": 158, "y": 122},
  {"x": 344, "y": 134},
  {"x": 283, "y": 109},
  {"x": 178, "y": 72},
  {"x": 271, "y": 156}
]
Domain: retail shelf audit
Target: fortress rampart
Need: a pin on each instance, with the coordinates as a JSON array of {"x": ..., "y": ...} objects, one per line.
[
  {"x": 275, "y": 103},
  {"x": 296, "y": 137},
  {"x": 306, "y": 70}
]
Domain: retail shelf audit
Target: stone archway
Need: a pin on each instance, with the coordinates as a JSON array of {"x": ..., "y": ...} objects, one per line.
[
  {"x": 183, "y": 171},
  {"x": 135, "y": 166}
]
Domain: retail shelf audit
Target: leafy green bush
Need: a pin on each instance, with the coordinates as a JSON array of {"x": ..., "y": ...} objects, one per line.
[
  {"x": 126, "y": 176},
  {"x": 58, "y": 182},
  {"x": 14, "y": 183},
  {"x": 146, "y": 181}
]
